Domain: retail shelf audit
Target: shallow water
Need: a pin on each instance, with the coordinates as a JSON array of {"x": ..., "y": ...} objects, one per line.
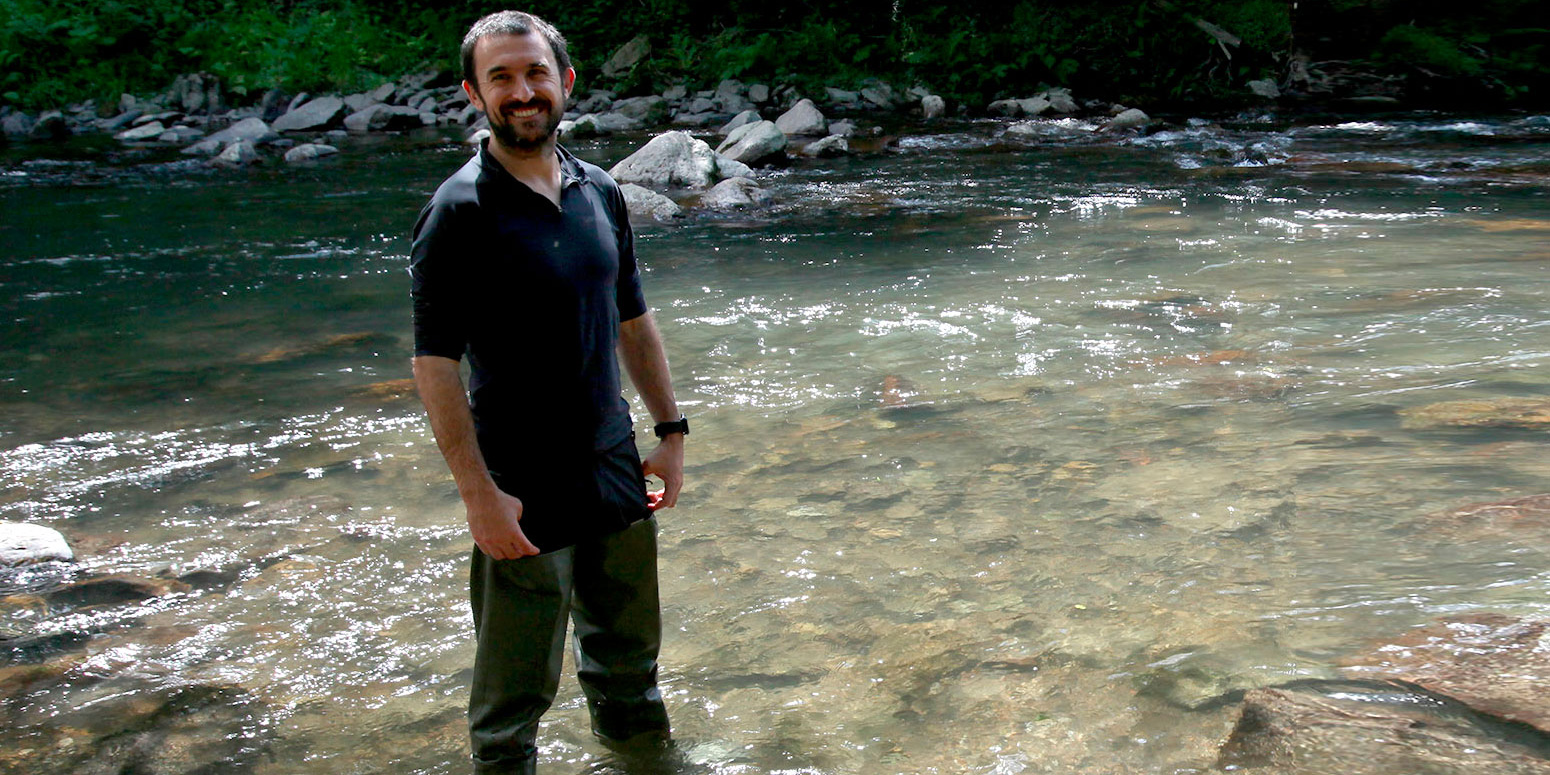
[{"x": 1012, "y": 453}]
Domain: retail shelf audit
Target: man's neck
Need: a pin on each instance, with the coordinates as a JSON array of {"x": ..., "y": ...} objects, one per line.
[{"x": 538, "y": 169}]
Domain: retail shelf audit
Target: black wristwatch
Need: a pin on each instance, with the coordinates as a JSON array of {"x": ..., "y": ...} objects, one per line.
[{"x": 680, "y": 425}]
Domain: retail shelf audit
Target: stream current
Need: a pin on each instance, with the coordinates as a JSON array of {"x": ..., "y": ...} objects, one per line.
[{"x": 1012, "y": 452}]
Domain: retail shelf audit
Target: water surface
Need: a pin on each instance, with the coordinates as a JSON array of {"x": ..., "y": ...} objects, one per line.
[{"x": 1011, "y": 452}]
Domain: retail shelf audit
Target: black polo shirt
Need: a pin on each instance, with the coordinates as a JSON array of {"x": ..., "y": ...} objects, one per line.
[{"x": 534, "y": 294}]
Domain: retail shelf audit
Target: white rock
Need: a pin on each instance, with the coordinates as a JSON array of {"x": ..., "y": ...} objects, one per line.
[
  {"x": 833, "y": 145},
  {"x": 734, "y": 194},
  {"x": 673, "y": 160},
  {"x": 803, "y": 118},
  {"x": 206, "y": 147},
  {"x": 1060, "y": 100},
  {"x": 309, "y": 152},
  {"x": 745, "y": 118},
  {"x": 21, "y": 543},
  {"x": 238, "y": 154},
  {"x": 645, "y": 203},
  {"x": 933, "y": 106},
  {"x": 1134, "y": 118},
  {"x": 1033, "y": 106},
  {"x": 141, "y": 134},
  {"x": 315, "y": 114},
  {"x": 253, "y": 130},
  {"x": 754, "y": 143}
]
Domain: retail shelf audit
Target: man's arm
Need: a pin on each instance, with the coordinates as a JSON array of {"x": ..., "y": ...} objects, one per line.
[
  {"x": 640, "y": 349},
  {"x": 493, "y": 515}
]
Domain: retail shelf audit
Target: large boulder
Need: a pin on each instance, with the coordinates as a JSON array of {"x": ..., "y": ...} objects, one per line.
[
  {"x": 675, "y": 160},
  {"x": 253, "y": 130},
  {"x": 749, "y": 116},
  {"x": 22, "y": 544},
  {"x": 1060, "y": 100},
  {"x": 51, "y": 125},
  {"x": 143, "y": 133},
  {"x": 755, "y": 143},
  {"x": 644, "y": 203},
  {"x": 627, "y": 57},
  {"x": 321, "y": 113},
  {"x": 803, "y": 118},
  {"x": 17, "y": 124}
]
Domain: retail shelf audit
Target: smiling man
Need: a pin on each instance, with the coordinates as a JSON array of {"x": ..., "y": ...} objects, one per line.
[{"x": 524, "y": 260}]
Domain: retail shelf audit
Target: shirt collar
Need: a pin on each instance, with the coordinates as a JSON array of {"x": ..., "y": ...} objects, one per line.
[{"x": 570, "y": 166}]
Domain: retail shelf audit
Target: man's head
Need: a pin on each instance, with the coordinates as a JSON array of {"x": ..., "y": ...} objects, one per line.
[
  {"x": 513, "y": 23},
  {"x": 517, "y": 70}
]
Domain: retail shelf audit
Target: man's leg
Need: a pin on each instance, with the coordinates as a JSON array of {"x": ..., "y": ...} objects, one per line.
[
  {"x": 618, "y": 625},
  {"x": 520, "y": 609}
]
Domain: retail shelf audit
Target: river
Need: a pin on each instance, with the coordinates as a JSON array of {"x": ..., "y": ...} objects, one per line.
[{"x": 1011, "y": 453}]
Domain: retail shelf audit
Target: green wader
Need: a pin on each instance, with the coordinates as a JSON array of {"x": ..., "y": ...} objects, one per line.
[{"x": 607, "y": 586}]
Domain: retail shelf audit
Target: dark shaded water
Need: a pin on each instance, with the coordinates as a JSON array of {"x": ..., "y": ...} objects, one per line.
[{"x": 1011, "y": 452}]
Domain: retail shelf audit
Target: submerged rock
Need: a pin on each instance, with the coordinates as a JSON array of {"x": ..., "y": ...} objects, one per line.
[
  {"x": 1531, "y": 413},
  {"x": 1377, "y": 729},
  {"x": 734, "y": 194},
  {"x": 22, "y": 544},
  {"x": 1493, "y": 663},
  {"x": 309, "y": 152}
]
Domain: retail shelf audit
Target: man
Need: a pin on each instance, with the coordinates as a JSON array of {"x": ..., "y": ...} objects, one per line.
[{"x": 524, "y": 259}]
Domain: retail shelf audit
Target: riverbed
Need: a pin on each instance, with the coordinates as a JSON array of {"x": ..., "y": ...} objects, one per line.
[{"x": 1011, "y": 452}]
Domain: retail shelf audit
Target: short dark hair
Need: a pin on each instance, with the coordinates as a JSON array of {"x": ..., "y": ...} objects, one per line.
[{"x": 512, "y": 23}]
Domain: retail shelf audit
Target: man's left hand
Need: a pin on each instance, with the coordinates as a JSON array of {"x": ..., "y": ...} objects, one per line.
[{"x": 666, "y": 462}]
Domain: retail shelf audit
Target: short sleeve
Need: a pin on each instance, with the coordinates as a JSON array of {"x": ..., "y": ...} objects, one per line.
[
  {"x": 629, "y": 297},
  {"x": 434, "y": 258}
]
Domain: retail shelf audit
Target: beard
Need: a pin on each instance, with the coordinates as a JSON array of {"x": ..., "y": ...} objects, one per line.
[{"x": 508, "y": 135}]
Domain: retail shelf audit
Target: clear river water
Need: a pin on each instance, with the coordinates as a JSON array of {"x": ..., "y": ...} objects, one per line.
[{"x": 1012, "y": 452}]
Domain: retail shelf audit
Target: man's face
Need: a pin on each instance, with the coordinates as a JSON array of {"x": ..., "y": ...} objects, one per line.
[{"x": 520, "y": 88}]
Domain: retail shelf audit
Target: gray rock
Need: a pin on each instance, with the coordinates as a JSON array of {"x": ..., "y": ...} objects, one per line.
[
  {"x": 745, "y": 118},
  {"x": 17, "y": 124},
  {"x": 833, "y": 145},
  {"x": 698, "y": 105},
  {"x": 1060, "y": 100},
  {"x": 383, "y": 93},
  {"x": 206, "y": 147},
  {"x": 758, "y": 94},
  {"x": 1033, "y": 106},
  {"x": 296, "y": 102},
  {"x": 880, "y": 95},
  {"x": 843, "y": 98},
  {"x": 675, "y": 93},
  {"x": 803, "y": 119},
  {"x": 143, "y": 133},
  {"x": 649, "y": 109},
  {"x": 592, "y": 125},
  {"x": 596, "y": 101},
  {"x": 645, "y": 203},
  {"x": 51, "y": 125},
  {"x": 844, "y": 128},
  {"x": 273, "y": 105},
  {"x": 239, "y": 154},
  {"x": 466, "y": 116},
  {"x": 356, "y": 103},
  {"x": 384, "y": 118},
  {"x": 309, "y": 152},
  {"x": 1265, "y": 87},
  {"x": 1006, "y": 108},
  {"x": 627, "y": 56},
  {"x": 933, "y": 106},
  {"x": 22, "y": 544},
  {"x": 118, "y": 123},
  {"x": 252, "y": 130},
  {"x": 699, "y": 120},
  {"x": 180, "y": 135},
  {"x": 1132, "y": 118},
  {"x": 672, "y": 160},
  {"x": 734, "y": 194},
  {"x": 317, "y": 114}
]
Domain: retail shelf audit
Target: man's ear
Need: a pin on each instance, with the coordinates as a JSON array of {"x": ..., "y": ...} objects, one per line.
[
  {"x": 473, "y": 95},
  {"x": 570, "y": 80}
]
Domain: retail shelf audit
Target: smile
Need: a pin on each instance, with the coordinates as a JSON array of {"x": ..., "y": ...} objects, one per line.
[{"x": 527, "y": 112}]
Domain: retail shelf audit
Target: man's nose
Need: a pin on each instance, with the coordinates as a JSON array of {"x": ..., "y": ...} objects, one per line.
[{"x": 522, "y": 90}]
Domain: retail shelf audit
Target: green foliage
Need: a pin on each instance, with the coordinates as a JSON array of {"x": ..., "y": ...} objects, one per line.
[
  {"x": 57, "y": 51},
  {"x": 1414, "y": 46}
]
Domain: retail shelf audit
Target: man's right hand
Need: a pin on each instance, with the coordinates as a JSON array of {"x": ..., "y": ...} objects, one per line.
[{"x": 494, "y": 522}]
